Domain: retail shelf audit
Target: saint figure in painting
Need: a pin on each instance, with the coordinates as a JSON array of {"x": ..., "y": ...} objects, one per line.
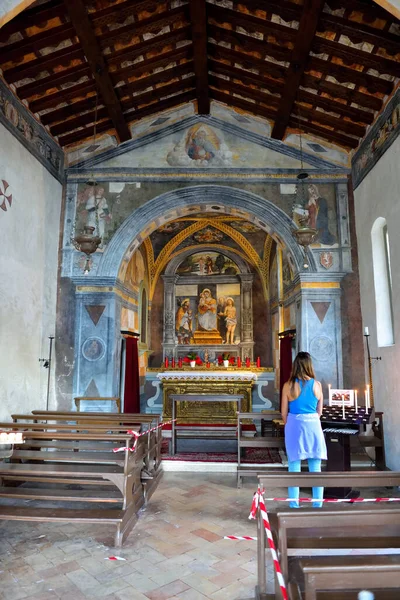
[
  {"x": 183, "y": 322},
  {"x": 207, "y": 311},
  {"x": 318, "y": 217},
  {"x": 98, "y": 213},
  {"x": 221, "y": 316},
  {"x": 230, "y": 320}
]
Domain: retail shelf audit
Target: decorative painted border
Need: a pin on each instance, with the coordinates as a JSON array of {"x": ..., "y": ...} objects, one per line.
[
  {"x": 250, "y": 136},
  {"x": 379, "y": 139},
  {"x": 22, "y": 125},
  {"x": 155, "y": 175}
]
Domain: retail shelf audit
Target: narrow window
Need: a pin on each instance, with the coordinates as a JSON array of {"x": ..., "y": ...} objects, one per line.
[
  {"x": 143, "y": 319},
  {"x": 382, "y": 282}
]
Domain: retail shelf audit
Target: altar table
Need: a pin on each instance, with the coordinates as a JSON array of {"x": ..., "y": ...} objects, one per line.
[
  {"x": 198, "y": 398},
  {"x": 206, "y": 382}
]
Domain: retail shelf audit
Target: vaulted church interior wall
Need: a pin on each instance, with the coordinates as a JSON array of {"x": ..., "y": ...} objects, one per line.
[
  {"x": 29, "y": 231},
  {"x": 377, "y": 196}
]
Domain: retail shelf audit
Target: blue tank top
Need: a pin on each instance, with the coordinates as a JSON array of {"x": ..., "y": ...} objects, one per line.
[{"x": 306, "y": 402}]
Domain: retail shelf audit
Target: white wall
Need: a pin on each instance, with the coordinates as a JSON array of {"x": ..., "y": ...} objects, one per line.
[
  {"x": 378, "y": 195},
  {"x": 29, "y": 234}
]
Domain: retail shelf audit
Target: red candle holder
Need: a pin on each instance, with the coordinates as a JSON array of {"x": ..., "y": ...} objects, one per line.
[
  {"x": 207, "y": 365},
  {"x": 173, "y": 363},
  {"x": 180, "y": 362},
  {"x": 258, "y": 362},
  {"x": 248, "y": 362},
  {"x": 166, "y": 362},
  {"x": 239, "y": 362}
]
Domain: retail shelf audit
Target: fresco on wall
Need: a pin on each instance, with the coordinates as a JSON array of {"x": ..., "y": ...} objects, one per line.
[
  {"x": 380, "y": 137},
  {"x": 116, "y": 201},
  {"x": 287, "y": 270},
  {"x": 200, "y": 146},
  {"x": 319, "y": 214},
  {"x": 273, "y": 281},
  {"x": 5, "y": 195},
  {"x": 207, "y": 263},
  {"x": 213, "y": 308},
  {"x": 135, "y": 272}
]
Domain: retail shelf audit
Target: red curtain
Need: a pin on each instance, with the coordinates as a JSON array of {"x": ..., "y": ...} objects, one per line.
[
  {"x": 132, "y": 388},
  {"x": 285, "y": 361}
]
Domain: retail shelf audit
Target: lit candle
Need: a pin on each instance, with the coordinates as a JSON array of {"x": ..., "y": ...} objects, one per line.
[
  {"x": 367, "y": 398},
  {"x": 355, "y": 401},
  {"x": 343, "y": 408},
  {"x": 258, "y": 362},
  {"x": 329, "y": 393},
  {"x": 366, "y": 331}
]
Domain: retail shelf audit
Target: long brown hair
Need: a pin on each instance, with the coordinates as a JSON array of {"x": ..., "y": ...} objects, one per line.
[{"x": 302, "y": 369}]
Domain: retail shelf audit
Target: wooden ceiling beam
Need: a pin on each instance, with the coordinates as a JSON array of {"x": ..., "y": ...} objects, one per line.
[
  {"x": 41, "y": 86},
  {"x": 346, "y": 75},
  {"x": 60, "y": 58},
  {"x": 156, "y": 109},
  {"x": 249, "y": 107},
  {"x": 118, "y": 13},
  {"x": 32, "y": 17},
  {"x": 198, "y": 18},
  {"x": 159, "y": 92},
  {"x": 87, "y": 118},
  {"x": 340, "y": 91},
  {"x": 85, "y": 133},
  {"x": 247, "y": 77},
  {"x": 243, "y": 90},
  {"x": 160, "y": 61},
  {"x": 157, "y": 43},
  {"x": 250, "y": 23},
  {"x": 327, "y": 134},
  {"x": 83, "y": 27},
  {"x": 129, "y": 103},
  {"x": 328, "y": 104},
  {"x": 265, "y": 67},
  {"x": 156, "y": 78},
  {"x": 353, "y": 56},
  {"x": 302, "y": 45},
  {"x": 34, "y": 43},
  {"x": 324, "y": 118},
  {"x": 53, "y": 100},
  {"x": 159, "y": 106},
  {"x": 249, "y": 44},
  {"x": 68, "y": 111},
  {"x": 153, "y": 24},
  {"x": 360, "y": 32}
]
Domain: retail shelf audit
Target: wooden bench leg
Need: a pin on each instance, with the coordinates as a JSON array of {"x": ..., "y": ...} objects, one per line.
[{"x": 125, "y": 527}]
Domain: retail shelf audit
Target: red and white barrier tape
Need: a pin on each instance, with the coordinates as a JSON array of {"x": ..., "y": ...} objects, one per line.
[
  {"x": 236, "y": 537},
  {"x": 138, "y": 435},
  {"x": 259, "y": 504},
  {"x": 332, "y": 500}
]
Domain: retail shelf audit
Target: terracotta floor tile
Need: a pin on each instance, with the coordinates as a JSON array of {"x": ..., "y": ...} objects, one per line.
[{"x": 207, "y": 535}]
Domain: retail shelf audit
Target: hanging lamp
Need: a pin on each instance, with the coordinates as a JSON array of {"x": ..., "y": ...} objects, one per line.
[{"x": 87, "y": 241}]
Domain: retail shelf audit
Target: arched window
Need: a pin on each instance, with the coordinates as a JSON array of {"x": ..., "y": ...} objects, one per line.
[
  {"x": 382, "y": 282},
  {"x": 143, "y": 317}
]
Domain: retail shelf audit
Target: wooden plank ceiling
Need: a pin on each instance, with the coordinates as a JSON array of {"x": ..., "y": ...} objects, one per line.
[{"x": 324, "y": 67}]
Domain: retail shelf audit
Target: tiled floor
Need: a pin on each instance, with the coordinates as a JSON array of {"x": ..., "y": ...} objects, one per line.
[{"x": 176, "y": 550}]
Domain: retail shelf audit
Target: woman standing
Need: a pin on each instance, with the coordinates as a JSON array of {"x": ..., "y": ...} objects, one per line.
[{"x": 302, "y": 402}]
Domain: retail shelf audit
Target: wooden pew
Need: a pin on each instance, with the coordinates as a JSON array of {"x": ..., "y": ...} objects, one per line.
[
  {"x": 330, "y": 525},
  {"x": 151, "y": 472},
  {"x": 339, "y": 574},
  {"x": 120, "y": 473},
  {"x": 255, "y": 442}
]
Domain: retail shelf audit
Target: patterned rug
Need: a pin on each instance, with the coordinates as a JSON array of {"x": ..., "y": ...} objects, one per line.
[{"x": 252, "y": 456}]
